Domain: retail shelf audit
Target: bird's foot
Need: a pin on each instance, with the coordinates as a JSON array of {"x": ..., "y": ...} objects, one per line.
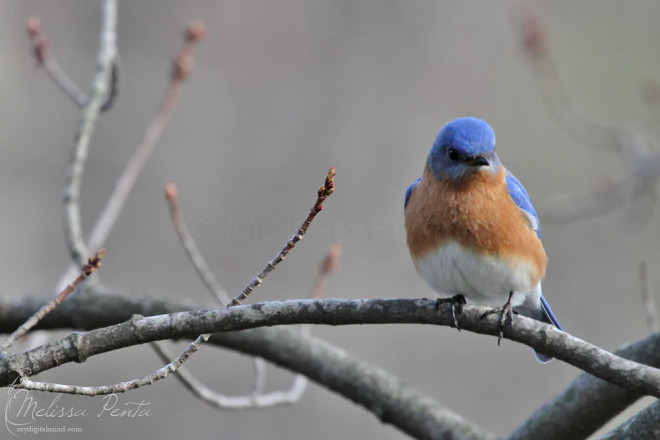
[
  {"x": 506, "y": 312},
  {"x": 457, "y": 302}
]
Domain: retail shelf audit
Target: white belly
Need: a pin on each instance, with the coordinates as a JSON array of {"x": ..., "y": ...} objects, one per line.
[{"x": 488, "y": 280}]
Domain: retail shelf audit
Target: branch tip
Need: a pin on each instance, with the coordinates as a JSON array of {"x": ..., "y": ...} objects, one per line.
[
  {"x": 195, "y": 31},
  {"x": 533, "y": 31},
  {"x": 330, "y": 263},
  {"x": 171, "y": 193},
  {"x": 324, "y": 192},
  {"x": 93, "y": 263},
  {"x": 34, "y": 26},
  {"x": 39, "y": 42},
  {"x": 183, "y": 63}
]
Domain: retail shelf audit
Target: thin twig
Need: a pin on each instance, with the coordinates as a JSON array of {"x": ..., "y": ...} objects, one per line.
[
  {"x": 120, "y": 387},
  {"x": 598, "y": 201},
  {"x": 192, "y": 251},
  {"x": 633, "y": 148},
  {"x": 113, "y": 208},
  {"x": 534, "y": 35},
  {"x": 212, "y": 285},
  {"x": 324, "y": 192},
  {"x": 329, "y": 265},
  {"x": 259, "y": 376},
  {"x": 567, "y": 113},
  {"x": 256, "y": 400},
  {"x": 647, "y": 299},
  {"x": 45, "y": 59},
  {"x": 259, "y": 400},
  {"x": 111, "y": 97},
  {"x": 181, "y": 71},
  {"x": 93, "y": 263},
  {"x": 107, "y": 53}
]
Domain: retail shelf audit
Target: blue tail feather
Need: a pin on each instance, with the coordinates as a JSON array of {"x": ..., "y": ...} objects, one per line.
[
  {"x": 548, "y": 313},
  {"x": 547, "y": 317}
]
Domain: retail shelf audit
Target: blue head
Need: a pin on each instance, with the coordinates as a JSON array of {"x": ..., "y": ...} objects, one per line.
[{"x": 463, "y": 147}]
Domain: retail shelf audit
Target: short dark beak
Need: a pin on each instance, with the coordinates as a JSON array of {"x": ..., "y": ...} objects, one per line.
[{"x": 478, "y": 161}]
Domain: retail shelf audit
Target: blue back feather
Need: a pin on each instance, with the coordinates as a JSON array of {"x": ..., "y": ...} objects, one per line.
[
  {"x": 409, "y": 191},
  {"x": 519, "y": 195}
]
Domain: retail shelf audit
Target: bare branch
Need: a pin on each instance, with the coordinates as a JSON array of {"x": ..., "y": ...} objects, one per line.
[
  {"x": 644, "y": 425},
  {"x": 92, "y": 264},
  {"x": 324, "y": 192},
  {"x": 111, "y": 97},
  {"x": 44, "y": 57},
  {"x": 329, "y": 265},
  {"x": 597, "y": 202},
  {"x": 582, "y": 408},
  {"x": 384, "y": 395},
  {"x": 632, "y": 147},
  {"x": 541, "y": 337},
  {"x": 107, "y": 54},
  {"x": 259, "y": 376},
  {"x": 588, "y": 403},
  {"x": 189, "y": 245},
  {"x": 107, "y": 219},
  {"x": 647, "y": 299},
  {"x": 534, "y": 35},
  {"x": 256, "y": 400},
  {"x": 122, "y": 387},
  {"x": 214, "y": 287}
]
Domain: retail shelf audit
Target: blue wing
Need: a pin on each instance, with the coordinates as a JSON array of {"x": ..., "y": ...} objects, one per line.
[
  {"x": 519, "y": 195},
  {"x": 409, "y": 191}
]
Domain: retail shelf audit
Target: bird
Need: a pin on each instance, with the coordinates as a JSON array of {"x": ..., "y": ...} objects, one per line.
[{"x": 471, "y": 228}]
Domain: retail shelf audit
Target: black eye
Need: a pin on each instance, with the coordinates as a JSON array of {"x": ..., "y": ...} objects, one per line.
[{"x": 453, "y": 154}]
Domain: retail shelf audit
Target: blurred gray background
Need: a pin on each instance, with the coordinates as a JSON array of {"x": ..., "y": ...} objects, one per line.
[{"x": 280, "y": 92}]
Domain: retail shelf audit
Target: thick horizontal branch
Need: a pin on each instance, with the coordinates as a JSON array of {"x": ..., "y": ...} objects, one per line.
[
  {"x": 588, "y": 403},
  {"x": 583, "y": 407},
  {"x": 543, "y": 338},
  {"x": 376, "y": 390},
  {"x": 644, "y": 425}
]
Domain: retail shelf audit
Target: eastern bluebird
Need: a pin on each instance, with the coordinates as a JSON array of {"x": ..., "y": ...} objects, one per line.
[{"x": 471, "y": 228}]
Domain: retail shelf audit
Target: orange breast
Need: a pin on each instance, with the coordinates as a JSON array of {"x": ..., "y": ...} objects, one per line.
[{"x": 477, "y": 213}]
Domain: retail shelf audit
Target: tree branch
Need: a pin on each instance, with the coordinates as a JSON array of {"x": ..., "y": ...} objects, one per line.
[
  {"x": 92, "y": 265},
  {"x": 644, "y": 425},
  {"x": 124, "y": 185},
  {"x": 588, "y": 403},
  {"x": 106, "y": 57},
  {"x": 541, "y": 337},
  {"x": 324, "y": 192},
  {"x": 582, "y": 408},
  {"x": 376, "y": 390},
  {"x": 633, "y": 147},
  {"x": 190, "y": 247}
]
